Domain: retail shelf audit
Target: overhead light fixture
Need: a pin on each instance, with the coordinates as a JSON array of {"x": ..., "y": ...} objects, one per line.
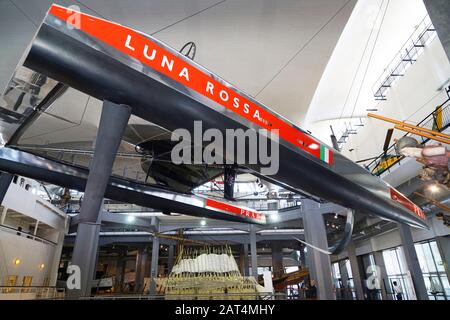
[
  {"x": 275, "y": 217},
  {"x": 434, "y": 188},
  {"x": 17, "y": 261},
  {"x": 42, "y": 266},
  {"x": 336, "y": 216},
  {"x": 130, "y": 219}
]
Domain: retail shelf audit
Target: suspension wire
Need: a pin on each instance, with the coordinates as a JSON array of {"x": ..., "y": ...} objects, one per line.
[
  {"x": 370, "y": 58},
  {"x": 301, "y": 49},
  {"x": 361, "y": 60}
]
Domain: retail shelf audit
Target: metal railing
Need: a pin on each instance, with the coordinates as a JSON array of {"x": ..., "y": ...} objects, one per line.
[
  {"x": 31, "y": 293},
  {"x": 218, "y": 296},
  {"x": 405, "y": 58},
  {"x": 26, "y": 234},
  {"x": 438, "y": 120}
]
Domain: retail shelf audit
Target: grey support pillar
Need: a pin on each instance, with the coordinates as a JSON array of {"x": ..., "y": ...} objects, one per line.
[
  {"x": 154, "y": 263},
  {"x": 383, "y": 277},
  {"x": 443, "y": 244},
  {"x": 5, "y": 181},
  {"x": 85, "y": 256},
  {"x": 113, "y": 121},
  {"x": 57, "y": 254},
  {"x": 171, "y": 258},
  {"x": 141, "y": 259},
  {"x": 412, "y": 262},
  {"x": 343, "y": 292},
  {"x": 253, "y": 252},
  {"x": 319, "y": 262},
  {"x": 277, "y": 259},
  {"x": 439, "y": 12},
  {"x": 120, "y": 270},
  {"x": 302, "y": 256},
  {"x": 246, "y": 264},
  {"x": 356, "y": 271}
]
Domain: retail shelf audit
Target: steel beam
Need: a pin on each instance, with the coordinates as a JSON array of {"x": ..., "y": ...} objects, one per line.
[{"x": 114, "y": 118}]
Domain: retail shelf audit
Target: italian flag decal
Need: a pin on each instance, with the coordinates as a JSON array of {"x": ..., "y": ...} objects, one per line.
[{"x": 326, "y": 154}]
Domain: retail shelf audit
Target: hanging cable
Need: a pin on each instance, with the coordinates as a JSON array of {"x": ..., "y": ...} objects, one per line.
[
  {"x": 301, "y": 49},
  {"x": 361, "y": 60},
  {"x": 370, "y": 58},
  {"x": 24, "y": 13},
  {"x": 188, "y": 17}
]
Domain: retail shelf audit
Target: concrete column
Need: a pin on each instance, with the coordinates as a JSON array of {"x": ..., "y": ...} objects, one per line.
[
  {"x": 439, "y": 12},
  {"x": 154, "y": 263},
  {"x": 356, "y": 271},
  {"x": 253, "y": 252},
  {"x": 379, "y": 262},
  {"x": 36, "y": 226},
  {"x": 443, "y": 244},
  {"x": 171, "y": 258},
  {"x": 3, "y": 217},
  {"x": 57, "y": 255},
  {"x": 342, "y": 294},
  {"x": 141, "y": 259},
  {"x": 277, "y": 259},
  {"x": 243, "y": 260},
  {"x": 246, "y": 262},
  {"x": 5, "y": 181},
  {"x": 302, "y": 256},
  {"x": 412, "y": 262},
  {"x": 113, "y": 121},
  {"x": 319, "y": 263},
  {"x": 120, "y": 271},
  {"x": 85, "y": 257}
]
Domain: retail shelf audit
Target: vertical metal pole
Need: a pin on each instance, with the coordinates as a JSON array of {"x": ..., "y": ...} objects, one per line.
[
  {"x": 319, "y": 262},
  {"x": 356, "y": 272},
  {"x": 141, "y": 259},
  {"x": 383, "y": 277},
  {"x": 443, "y": 244},
  {"x": 439, "y": 12},
  {"x": 36, "y": 227},
  {"x": 302, "y": 257},
  {"x": 114, "y": 118},
  {"x": 253, "y": 252},
  {"x": 277, "y": 259},
  {"x": 412, "y": 261},
  {"x": 2, "y": 219},
  {"x": 246, "y": 267},
  {"x": 154, "y": 263},
  {"x": 171, "y": 258},
  {"x": 5, "y": 181}
]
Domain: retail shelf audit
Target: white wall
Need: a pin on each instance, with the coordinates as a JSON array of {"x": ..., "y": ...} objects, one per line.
[
  {"x": 31, "y": 254},
  {"x": 392, "y": 239},
  {"x": 411, "y": 98},
  {"x": 31, "y": 251},
  {"x": 31, "y": 205}
]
